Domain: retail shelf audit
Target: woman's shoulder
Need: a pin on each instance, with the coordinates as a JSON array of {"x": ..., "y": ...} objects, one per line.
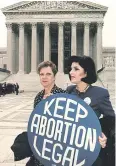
[
  {"x": 39, "y": 94},
  {"x": 58, "y": 90},
  {"x": 38, "y": 98},
  {"x": 99, "y": 90},
  {"x": 70, "y": 88}
]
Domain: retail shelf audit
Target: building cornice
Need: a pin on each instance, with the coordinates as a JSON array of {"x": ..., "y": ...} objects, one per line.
[{"x": 109, "y": 49}]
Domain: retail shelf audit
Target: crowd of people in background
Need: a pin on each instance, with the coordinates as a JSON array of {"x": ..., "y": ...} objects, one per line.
[{"x": 7, "y": 88}]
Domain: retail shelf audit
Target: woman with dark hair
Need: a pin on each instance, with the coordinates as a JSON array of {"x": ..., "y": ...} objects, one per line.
[{"x": 83, "y": 74}]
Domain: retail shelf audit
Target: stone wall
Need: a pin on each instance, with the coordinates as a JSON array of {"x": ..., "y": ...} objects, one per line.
[{"x": 109, "y": 64}]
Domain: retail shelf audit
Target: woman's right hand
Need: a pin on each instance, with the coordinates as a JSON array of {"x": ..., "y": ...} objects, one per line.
[{"x": 102, "y": 140}]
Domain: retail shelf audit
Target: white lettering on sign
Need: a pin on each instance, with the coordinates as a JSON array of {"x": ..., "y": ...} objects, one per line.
[{"x": 61, "y": 128}]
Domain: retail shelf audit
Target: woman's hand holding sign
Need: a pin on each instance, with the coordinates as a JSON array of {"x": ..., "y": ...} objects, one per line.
[{"x": 102, "y": 140}]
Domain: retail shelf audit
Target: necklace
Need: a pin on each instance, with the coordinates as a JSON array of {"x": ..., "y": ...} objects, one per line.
[{"x": 84, "y": 89}]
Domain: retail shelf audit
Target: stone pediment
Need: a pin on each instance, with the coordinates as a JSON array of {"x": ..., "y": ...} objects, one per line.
[{"x": 53, "y": 6}]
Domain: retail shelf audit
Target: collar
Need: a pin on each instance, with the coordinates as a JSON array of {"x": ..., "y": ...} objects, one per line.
[
  {"x": 52, "y": 90},
  {"x": 85, "y": 90}
]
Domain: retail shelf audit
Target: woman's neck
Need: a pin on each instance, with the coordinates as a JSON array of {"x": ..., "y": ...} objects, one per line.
[
  {"x": 82, "y": 86},
  {"x": 48, "y": 89}
]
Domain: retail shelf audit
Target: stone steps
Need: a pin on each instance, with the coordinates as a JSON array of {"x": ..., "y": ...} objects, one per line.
[
  {"x": 30, "y": 82},
  {"x": 3, "y": 75},
  {"x": 61, "y": 79}
]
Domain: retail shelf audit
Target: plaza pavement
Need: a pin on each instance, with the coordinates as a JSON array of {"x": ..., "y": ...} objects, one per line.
[{"x": 14, "y": 113}]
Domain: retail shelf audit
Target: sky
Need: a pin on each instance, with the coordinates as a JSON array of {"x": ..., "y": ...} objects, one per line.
[{"x": 109, "y": 28}]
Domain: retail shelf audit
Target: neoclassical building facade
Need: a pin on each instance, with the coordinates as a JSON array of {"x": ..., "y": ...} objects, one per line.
[{"x": 52, "y": 30}]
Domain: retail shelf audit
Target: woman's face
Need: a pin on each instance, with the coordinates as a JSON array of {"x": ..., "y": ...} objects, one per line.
[
  {"x": 47, "y": 77},
  {"x": 77, "y": 73}
]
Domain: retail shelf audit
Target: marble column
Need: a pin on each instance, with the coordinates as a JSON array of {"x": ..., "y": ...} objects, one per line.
[
  {"x": 21, "y": 48},
  {"x": 14, "y": 52},
  {"x": 73, "y": 39},
  {"x": 99, "y": 58},
  {"x": 34, "y": 48},
  {"x": 60, "y": 48},
  {"x": 26, "y": 52},
  {"x": 1, "y": 62},
  {"x": 86, "y": 38},
  {"x": 46, "y": 41},
  {"x": 9, "y": 46},
  {"x": 17, "y": 52}
]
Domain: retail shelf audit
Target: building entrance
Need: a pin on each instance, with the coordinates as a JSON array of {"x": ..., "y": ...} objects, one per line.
[{"x": 54, "y": 44}]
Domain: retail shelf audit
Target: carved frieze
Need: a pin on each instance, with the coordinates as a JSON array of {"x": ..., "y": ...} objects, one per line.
[
  {"x": 109, "y": 61},
  {"x": 55, "y": 5}
]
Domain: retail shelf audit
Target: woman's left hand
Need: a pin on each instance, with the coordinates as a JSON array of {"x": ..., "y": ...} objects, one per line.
[{"x": 103, "y": 140}]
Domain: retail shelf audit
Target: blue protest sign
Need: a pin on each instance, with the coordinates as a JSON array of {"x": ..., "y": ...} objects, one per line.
[{"x": 63, "y": 131}]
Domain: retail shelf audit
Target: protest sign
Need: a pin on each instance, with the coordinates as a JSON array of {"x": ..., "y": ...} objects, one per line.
[{"x": 63, "y": 131}]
